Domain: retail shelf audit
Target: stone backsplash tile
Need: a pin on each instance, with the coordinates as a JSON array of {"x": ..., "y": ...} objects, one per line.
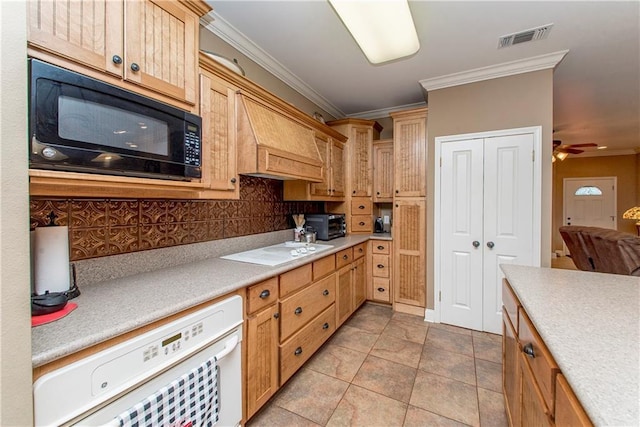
[{"x": 100, "y": 227}]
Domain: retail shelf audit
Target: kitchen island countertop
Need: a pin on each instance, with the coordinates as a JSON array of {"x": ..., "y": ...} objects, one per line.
[
  {"x": 591, "y": 324},
  {"x": 113, "y": 307}
]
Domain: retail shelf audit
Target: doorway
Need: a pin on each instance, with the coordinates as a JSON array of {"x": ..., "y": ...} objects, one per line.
[{"x": 487, "y": 214}]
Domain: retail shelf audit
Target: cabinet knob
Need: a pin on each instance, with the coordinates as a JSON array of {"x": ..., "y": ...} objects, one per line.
[
  {"x": 396, "y": 205},
  {"x": 360, "y": 250},
  {"x": 116, "y": 59},
  {"x": 233, "y": 180},
  {"x": 528, "y": 350},
  {"x": 397, "y": 191},
  {"x": 325, "y": 326},
  {"x": 325, "y": 292},
  {"x": 361, "y": 207},
  {"x": 298, "y": 310},
  {"x": 378, "y": 193},
  {"x": 298, "y": 351},
  {"x": 380, "y": 265},
  {"x": 354, "y": 191},
  {"x": 276, "y": 315},
  {"x": 265, "y": 294},
  {"x": 361, "y": 223},
  {"x": 380, "y": 247},
  {"x": 345, "y": 257},
  {"x": 135, "y": 67},
  {"x": 380, "y": 289}
]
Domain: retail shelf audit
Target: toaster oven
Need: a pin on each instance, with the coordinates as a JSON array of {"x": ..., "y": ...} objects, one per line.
[{"x": 327, "y": 226}]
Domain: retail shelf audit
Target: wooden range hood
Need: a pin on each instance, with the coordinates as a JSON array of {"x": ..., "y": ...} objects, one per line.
[{"x": 273, "y": 145}]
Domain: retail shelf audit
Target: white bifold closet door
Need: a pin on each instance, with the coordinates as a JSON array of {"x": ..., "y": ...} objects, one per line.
[{"x": 486, "y": 202}]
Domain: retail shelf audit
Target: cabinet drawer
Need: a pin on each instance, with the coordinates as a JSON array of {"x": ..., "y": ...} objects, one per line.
[
  {"x": 298, "y": 309},
  {"x": 359, "y": 251},
  {"x": 361, "y": 223},
  {"x": 538, "y": 358},
  {"x": 262, "y": 295},
  {"x": 510, "y": 303},
  {"x": 381, "y": 289},
  {"x": 361, "y": 206},
  {"x": 344, "y": 257},
  {"x": 295, "y": 279},
  {"x": 324, "y": 266},
  {"x": 295, "y": 351},
  {"x": 380, "y": 247},
  {"x": 380, "y": 266}
]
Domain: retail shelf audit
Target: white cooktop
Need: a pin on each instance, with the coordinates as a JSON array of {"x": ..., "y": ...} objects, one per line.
[{"x": 278, "y": 254}]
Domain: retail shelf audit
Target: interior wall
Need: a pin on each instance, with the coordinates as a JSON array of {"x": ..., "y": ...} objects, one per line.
[
  {"x": 509, "y": 102},
  {"x": 257, "y": 74},
  {"x": 15, "y": 309},
  {"x": 625, "y": 168}
]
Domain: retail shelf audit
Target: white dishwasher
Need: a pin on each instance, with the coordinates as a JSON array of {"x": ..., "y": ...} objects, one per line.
[{"x": 98, "y": 389}]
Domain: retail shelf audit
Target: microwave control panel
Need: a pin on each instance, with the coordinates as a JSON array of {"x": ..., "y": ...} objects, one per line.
[{"x": 192, "y": 145}]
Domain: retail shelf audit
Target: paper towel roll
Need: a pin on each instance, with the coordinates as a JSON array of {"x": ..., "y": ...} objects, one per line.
[{"x": 51, "y": 259}]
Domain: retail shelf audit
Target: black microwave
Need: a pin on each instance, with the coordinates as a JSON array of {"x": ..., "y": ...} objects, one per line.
[{"x": 80, "y": 124}]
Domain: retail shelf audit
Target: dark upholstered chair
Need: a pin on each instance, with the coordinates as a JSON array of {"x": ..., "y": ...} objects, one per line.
[{"x": 603, "y": 250}]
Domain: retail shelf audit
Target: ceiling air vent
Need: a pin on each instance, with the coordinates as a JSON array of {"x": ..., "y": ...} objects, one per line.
[{"x": 525, "y": 36}]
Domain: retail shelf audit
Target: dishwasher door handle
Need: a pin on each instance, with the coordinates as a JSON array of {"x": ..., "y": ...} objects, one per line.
[{"x": 228, "y": 348}]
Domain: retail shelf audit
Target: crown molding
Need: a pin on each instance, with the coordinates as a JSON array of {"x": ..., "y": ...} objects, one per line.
[
  {"x": 384, "y": 112},
  {"x": 221, "y": 28},
  {"x": 505, "y": 69},
  {"x": 604, "y": 153}
]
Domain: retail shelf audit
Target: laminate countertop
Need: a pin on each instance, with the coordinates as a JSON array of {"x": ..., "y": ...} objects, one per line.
[
  {"x": 591, "y": 324},
  {"x": 113, "y": 307}
]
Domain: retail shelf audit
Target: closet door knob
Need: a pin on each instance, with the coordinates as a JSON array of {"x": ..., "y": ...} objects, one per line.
[
  {"x": 490, "y": 245},
  {"x": 476, "y": 244}
]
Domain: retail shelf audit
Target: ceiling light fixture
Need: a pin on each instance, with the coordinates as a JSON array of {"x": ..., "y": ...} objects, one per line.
[
  {"x": 562, "y": 155},
  {"x": 383, "y": 29}
]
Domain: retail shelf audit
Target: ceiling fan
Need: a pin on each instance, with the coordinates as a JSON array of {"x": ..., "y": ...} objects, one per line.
[{"x": 561, "y": 151}]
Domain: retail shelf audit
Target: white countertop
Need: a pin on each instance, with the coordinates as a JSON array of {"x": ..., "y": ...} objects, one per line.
[
  {"x": 591, "y": 324},
  {"x": 113, "y": 307}
]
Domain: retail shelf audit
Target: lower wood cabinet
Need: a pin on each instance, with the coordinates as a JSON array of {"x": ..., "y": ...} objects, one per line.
[
  {"x": 409, "y": 253},
  {"x": 379, "y": 272},
  {"x": 351, "y": 284}
]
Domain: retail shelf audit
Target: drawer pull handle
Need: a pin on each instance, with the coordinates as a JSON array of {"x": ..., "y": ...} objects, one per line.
[
  {"x": 380, "y": 247},
  {"x": 116, "y": 59},
  {"x": 276, "y": 315},
  {"x": 345, "y": 257},
  {"x": 325, "y": 292},
  {"x": 359, "y": 250},
  {"x": 380, "y": 289},
  {"x": 361, "y": 207},
  {"x": 325, "y": 326},
  {"x": 380, "y": 266},
  {"x": 528, "y": 350},
  {"x": 298, "y": 351},
  {"x": 298, "y": 310},
  {"x": 361, "y": 223},
  {"x": 265, "y": 294}
]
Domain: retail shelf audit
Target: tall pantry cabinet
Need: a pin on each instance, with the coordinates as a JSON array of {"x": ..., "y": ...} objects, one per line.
[{"x": 409, "y": 210}]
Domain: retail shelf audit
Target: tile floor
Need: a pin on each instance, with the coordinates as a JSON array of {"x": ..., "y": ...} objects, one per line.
[{"x": 392, "y": 369}]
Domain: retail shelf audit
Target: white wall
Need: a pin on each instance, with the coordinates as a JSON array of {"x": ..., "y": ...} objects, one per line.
[{"x": 15, "y": 320}]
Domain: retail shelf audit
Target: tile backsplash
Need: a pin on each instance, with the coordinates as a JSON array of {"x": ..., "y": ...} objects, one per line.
[{"x": 100, "y": 227}]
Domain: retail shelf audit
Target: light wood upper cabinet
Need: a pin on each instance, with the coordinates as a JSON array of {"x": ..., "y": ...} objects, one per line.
[
  {"x": 409, "y": 251},
  {"x": 410, "y": 151},
  {"x": 383, "y": 171},
  {"x": 159, "y": 52},
  {"x": 217, "y": 108},
  {"x": 361, "y": 161},
  {"x": 332, "y": 153}
]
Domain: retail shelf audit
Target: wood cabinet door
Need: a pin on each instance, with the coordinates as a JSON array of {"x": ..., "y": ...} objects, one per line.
[
  {"x": 409, "y": 256},
  {"x": 510, "y": 371},
  {"x": 337, "y": 169},
  {"x": 262, "y": 358},
  {"x": 533, "y": 411},
  {"x": 324, "y": 148},
  {"x": 160, "y": 48},
  {"x": 217, "y": 108},
  {"x": 344, "y": 295},
  {"x": 410, "y": 151},
  {"x": 359, "y": 282},
  {"x": 88, "y": 32},
  {"x": 568, "y": 410},
  {"x": 360, "y": 160},
  {"x": 382, "y": 173}
]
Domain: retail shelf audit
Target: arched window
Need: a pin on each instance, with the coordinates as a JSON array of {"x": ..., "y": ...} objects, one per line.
[{"x": 588, "y": 190}]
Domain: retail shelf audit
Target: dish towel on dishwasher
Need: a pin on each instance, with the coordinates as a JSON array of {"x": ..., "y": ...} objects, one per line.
[{"x": 189, "y": 401}]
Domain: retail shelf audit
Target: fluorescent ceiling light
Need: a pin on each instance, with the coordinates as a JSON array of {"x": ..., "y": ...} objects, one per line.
[{"x": 383, "y": 29}]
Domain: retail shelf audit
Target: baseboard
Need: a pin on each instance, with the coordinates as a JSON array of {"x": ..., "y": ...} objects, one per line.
[{"x": 430, "y": 316}]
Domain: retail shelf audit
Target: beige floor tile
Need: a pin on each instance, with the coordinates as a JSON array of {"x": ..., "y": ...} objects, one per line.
[
  {"x": 487, "y": 349},
  {"x": 360, "y": 407},
  {"x": 451, "y": 328},
  {"x": 377, "y": 309},
  {"x": 407, "y": 331},
  {"x": 409, "y": 318},
  {"x": 312, "y": 395},
  {"x": 450, "y": 341},
  {"x": 274, "y": 416},
  {"x": 397, "y": 350},
  {"x": 486, "y": 336},
  {"x": 492, "y": 412},
  {"x": 448, "y": 364},
  {"x": 417, "y": 417},
  {"x": 368, "y": 321},
  {"x": 385, "y": 377},
  {"x": 446, "y": 397},
  {"x": 339, "y": 362},
  {"x": 354, "y": 338},
  {"x": 489, "y": 375}
]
